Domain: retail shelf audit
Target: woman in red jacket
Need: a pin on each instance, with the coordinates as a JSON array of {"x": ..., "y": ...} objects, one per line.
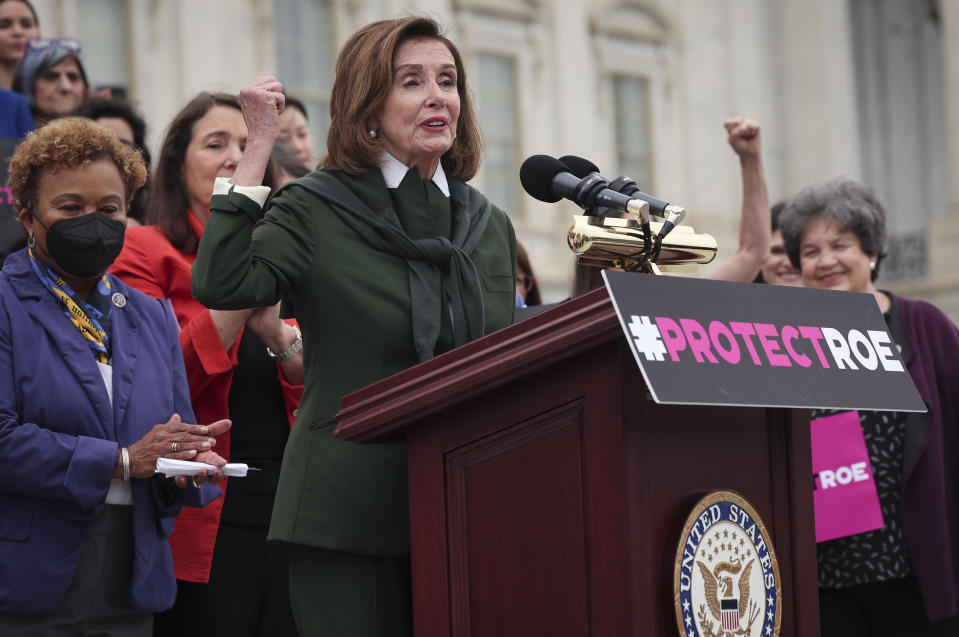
[{"x": 254, "y": 376}]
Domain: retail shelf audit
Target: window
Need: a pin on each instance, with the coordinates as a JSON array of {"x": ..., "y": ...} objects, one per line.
[
  {"x": 633, "y": 147},
  {"x": 102, "y": 28},
  {"x": 304, "y": 55},
  {"x": 498, "y": 121}
]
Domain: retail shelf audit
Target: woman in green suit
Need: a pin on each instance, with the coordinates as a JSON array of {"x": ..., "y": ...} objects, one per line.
[{"x": 388, "y": 258}]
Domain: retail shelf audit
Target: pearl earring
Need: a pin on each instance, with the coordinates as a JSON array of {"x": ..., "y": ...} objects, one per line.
[
  {"x": 872, "y": 265},
  {"x": 373, "y": 133}
]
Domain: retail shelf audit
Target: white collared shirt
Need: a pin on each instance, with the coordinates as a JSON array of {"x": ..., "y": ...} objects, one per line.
[
  {"x": 119, "y": 491},
  {"x": 394, "y": 171},
  {"x": 259, "y": 194}
]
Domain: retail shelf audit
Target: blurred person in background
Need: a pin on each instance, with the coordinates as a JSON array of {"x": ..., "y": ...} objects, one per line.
[
  {"x": 526, "y": 286},
  {"x": 18, "y": 23},
  {"x": 245, "y": 364},
  {"x": 119, "y": 116},
  {"x": 295, "y": 130},
  {"x": 777, "y": 268},
  {"x": 52, "y": 78},
  {"x": 286, "y": 165}
]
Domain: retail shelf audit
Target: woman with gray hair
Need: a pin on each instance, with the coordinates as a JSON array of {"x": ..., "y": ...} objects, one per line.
[
  {"x": 52, "y": 78},
  {"x": 902, "y": 579}
]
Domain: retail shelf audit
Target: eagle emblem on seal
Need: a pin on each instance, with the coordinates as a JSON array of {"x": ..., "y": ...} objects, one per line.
[
  {"x": 726, "y": 575},
  {"x": 732, "y": 606}
]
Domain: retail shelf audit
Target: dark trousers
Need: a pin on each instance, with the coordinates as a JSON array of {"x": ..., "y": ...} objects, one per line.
[
  {"x": 347, "y": 595},
  {"x": 247, "y": 595},
  {"x": 97, "y": 602},
  {"x": 883, "y": 609}
]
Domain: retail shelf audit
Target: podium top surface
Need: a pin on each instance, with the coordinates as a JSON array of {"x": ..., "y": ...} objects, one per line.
[{"x": 385, "y": 408}]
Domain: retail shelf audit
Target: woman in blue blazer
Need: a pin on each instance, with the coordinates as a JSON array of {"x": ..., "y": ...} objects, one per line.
[{"x": 92, "y": 392}]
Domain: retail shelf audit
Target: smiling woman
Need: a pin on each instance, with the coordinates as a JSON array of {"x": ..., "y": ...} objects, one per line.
[
  {"x": 777, "y": 269},
  {"x": 835, "y": 233},
  {"x": 893, "y": 577}
]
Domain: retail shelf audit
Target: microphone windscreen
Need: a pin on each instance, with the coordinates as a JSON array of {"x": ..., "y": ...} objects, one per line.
[
  {"x": 579, "y": 166},
  {"x": 536, "y": 174}
]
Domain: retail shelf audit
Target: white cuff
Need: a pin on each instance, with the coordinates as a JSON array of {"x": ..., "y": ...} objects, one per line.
[{"x": 259, "y": 194}]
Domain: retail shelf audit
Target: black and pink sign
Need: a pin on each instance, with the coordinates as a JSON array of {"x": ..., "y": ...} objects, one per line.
[
  {"x": 12, "y": 236},
  {"x": 717, "y": 343},
  {"x": 845, "y": 497}
]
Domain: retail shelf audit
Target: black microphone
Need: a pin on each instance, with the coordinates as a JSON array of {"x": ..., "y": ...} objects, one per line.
[
  {"x": 548, "y": 179},
  {"x": 673, "y": 215},
  {"x": 581, "y": 167}
]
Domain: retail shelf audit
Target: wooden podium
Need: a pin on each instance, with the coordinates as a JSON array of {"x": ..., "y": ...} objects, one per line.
[{"x": 548, "y": 490}]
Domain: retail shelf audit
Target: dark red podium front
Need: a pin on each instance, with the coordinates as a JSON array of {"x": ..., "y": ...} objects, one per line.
[{"x": 548, "y": 490}]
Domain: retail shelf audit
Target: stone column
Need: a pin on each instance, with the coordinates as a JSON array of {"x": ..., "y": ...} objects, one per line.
[
  {"x": 944, "y": 236},
  {"x": 818, "y": 92}
]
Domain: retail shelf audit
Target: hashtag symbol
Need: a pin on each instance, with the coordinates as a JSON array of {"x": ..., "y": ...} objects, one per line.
[{"x": 647, "y": 339}]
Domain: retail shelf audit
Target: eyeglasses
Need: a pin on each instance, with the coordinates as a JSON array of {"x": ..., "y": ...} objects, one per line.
[{"x": 40, "y": 44}]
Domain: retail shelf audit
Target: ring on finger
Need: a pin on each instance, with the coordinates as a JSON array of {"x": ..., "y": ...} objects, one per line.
[
  {"x": 195, "y": 483},
  {"x": 174, "y": 446}
]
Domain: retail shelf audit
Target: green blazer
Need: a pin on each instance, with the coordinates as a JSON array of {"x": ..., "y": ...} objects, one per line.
[{"x": 352, "y": 303}]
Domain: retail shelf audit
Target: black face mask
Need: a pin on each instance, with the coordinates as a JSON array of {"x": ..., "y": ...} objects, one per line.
[{"x": 86, "y": 245}]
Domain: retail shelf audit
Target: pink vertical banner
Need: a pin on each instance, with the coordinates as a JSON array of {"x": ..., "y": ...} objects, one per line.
[{"x": 845, "y": 497}]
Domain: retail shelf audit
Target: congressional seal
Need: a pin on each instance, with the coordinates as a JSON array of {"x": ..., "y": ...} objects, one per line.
[{"x": 726, "y": 579}]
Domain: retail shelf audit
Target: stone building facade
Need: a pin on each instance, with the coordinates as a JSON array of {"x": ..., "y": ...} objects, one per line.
[{"x": 862, "y": 88}]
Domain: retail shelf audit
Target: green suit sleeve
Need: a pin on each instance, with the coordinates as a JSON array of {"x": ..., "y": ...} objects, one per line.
[{"x": 240, "y": 265}]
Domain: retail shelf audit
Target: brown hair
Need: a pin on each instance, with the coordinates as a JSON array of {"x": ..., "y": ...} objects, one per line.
[
  {"x": 69, "y": 143},
  {"x": 522, "y": 263},
  {"x": 364, "y": 78},
  {"x": 168, "y": 202},
  {"x": 36, "y": 20}
]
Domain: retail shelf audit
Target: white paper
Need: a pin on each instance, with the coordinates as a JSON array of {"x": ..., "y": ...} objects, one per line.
[{"x": 170, "y": 467}]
